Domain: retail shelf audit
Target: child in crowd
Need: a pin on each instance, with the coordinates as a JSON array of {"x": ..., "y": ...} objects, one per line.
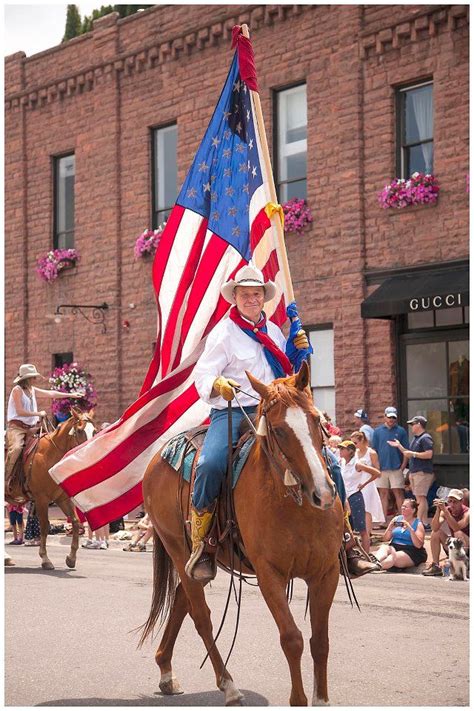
[{"x": 15, "y": 514}]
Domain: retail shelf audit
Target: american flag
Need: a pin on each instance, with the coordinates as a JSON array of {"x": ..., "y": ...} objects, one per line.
[{"x": 219, "y": 222}]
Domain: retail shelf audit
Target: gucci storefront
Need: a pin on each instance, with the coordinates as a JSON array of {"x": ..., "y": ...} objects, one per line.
[{"x": 430, "y": 311}]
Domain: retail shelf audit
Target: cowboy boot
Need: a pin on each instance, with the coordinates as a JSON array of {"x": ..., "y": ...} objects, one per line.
[
  {"x": 358, "y": 561},
  {"x": 200, "y": 566}
]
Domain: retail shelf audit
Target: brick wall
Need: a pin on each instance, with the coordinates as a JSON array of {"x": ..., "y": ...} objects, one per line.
[{"x": 99, "y": 95}]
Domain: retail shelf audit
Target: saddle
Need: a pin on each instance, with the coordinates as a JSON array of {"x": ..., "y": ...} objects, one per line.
[
  {"x": 16, "y": 486},
  {"x": 224, "y": 538}
]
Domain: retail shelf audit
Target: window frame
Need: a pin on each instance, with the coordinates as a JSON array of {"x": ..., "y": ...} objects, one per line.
[
  {"x": 154, "y": 211},
  {"x": 400, "y": 91},
  {"x": 276, "y": 144},
  {"x": 56, "y": 159},
  {"x": 58, "y": 362}
]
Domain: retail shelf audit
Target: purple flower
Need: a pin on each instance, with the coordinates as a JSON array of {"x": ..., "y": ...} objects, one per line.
[
  {"x": 72, "y": 378},
  {"x": 420, "y": 189},
  {"x": 49, "y": 266},
  {"x": 147, "y": 243},
  {"x": 297, "y": 215}
]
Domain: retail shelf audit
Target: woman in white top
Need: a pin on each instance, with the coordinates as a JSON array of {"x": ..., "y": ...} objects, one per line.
[
  {"x": 368, "y": 461},
  {"x": 23, "y": 414}
]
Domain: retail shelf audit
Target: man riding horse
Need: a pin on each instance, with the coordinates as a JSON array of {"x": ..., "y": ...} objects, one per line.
[{"x": 245, "y": 341}]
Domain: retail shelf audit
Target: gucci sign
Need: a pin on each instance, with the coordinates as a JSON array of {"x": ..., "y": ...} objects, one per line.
[{"x": 435, "y": 302}]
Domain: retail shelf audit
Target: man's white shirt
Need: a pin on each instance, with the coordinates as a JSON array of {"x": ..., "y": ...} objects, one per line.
[{"x": 229, "y": 351}]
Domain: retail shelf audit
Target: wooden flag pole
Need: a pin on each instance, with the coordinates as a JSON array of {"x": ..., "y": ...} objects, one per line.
[{"x": 271, "y": 184}]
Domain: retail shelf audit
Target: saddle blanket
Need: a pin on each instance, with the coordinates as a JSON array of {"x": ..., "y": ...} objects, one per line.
[{"x": 180, "y": 451}]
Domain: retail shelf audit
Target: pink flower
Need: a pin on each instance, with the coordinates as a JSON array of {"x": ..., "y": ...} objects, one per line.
[
  {"x": 49, "y": 266},
  {"x": 297, "y": 215},
  {"x": 147, "y": 243},
  {"x": 420, "y": 189}
]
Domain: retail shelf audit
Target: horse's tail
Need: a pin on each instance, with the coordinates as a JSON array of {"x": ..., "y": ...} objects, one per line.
[{"x": 165, "y": 581}]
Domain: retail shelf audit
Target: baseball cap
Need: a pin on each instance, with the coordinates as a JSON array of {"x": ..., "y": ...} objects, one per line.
[
  {"x": 455, "y": 494},
  {"x": 347, "y": 444},
  {"x": 418, "y": 420},
  {"x": 391, "y": 412},
  {"x": 362, "y": 414}
]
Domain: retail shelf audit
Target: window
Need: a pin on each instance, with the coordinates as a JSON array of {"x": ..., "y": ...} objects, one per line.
[
  {"x": 437, "y": 386},
  {"x": 322, "y": 370},
  {"x": 64, "y": 178},
  {"x": 60, "y": 359},
  {"x": 165, "y": 172},
  {"x": 456, "y": 316},
  {"x": 415, "y": 129},
  {"x": 291, "y": 143}
]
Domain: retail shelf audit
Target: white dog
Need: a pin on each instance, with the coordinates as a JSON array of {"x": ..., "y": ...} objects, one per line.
[{"x": 458, "y": 560}]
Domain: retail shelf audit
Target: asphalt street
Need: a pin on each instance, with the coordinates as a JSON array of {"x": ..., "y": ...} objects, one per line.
[{"x": 69, "y": 639}]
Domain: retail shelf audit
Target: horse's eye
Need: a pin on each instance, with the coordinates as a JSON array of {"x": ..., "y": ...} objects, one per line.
[{"x": 279, "y": 431}]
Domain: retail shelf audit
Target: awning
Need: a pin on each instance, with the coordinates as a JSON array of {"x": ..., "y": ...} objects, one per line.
[{"x": 421, "y": 291}]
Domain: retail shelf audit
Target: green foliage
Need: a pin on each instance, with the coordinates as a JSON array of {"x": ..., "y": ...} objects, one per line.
[{"x": 73, "y": 23}]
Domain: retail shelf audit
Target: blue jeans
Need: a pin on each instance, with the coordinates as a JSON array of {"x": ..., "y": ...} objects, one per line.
[{"x": 212, "y": 465}]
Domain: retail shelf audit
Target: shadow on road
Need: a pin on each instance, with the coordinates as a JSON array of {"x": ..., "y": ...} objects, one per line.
[
  {"x": 68, "y": 573},
  {"x": 207, "y": 698}
]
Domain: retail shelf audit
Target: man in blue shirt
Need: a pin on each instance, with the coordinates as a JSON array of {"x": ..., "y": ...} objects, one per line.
[
  {"x": 420, "y": 456},
  {"x": 390, "y": 458}
]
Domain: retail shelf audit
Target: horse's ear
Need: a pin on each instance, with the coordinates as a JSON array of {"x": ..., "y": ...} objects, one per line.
[
  {"x": 302, "y": 377},
  {"x": 257, "y": 385}
]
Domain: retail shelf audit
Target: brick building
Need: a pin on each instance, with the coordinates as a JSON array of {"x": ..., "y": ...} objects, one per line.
[{"x": 100, "y": 132}]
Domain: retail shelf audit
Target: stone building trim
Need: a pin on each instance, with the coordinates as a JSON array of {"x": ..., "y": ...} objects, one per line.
[
  {"x": 426, "y": 22},
  {"x": 139, "y": 60}
]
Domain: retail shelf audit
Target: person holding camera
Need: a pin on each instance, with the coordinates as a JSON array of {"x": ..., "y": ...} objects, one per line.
[
  {"x": 451, "y": 519},
  {"x": 406, "y": 536}
]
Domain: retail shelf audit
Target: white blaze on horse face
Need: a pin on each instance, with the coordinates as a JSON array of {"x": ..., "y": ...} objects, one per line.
[{"x": 296, "y": 419}]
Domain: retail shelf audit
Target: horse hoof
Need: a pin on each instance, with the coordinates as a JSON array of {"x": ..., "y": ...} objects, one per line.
[
  {"x": 47, "y": 565},
  {"x": 70, "y": 562},
  {"x": 170, "y": 687},
  {"x": 236, "y": 701}
]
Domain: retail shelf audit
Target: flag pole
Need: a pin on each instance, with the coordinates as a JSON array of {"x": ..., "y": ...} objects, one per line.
[{"x": 271, "y": 184}]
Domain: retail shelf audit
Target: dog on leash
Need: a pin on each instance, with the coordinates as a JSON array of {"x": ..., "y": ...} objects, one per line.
[{"x": 458, "y": 560}]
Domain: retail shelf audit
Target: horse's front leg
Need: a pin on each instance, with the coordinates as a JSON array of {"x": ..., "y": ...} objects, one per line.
[
  {"x": 42, "y": 513},
  {"x": 67, "y": 507},
  {"x": 273, "y": 587},
  {"x": 321, "y": 595}
]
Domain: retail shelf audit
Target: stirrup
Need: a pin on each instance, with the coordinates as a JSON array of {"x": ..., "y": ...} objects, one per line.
[{"x": 202, "y": 565}]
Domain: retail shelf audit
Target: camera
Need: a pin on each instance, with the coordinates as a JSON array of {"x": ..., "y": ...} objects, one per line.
[{"x": 440, "y": 501}]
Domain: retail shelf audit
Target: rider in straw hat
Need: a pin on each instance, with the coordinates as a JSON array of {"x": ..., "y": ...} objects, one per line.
[
  {"x": 244, "y": 341},
  {"x": 23, "y": 414}
]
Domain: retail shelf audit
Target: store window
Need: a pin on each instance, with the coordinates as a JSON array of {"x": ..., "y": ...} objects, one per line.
[
  {"x": 322, "y": 369},
  {"x": 437, "y": 386},
  {"x": 291, "y": 143},
  {"x": 165, "y": 172},
  {"x": 64, "y": 180},
  {"x": 415, "y": 129}
]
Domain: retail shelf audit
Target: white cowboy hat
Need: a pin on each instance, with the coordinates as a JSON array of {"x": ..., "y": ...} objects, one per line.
[
  {"x": 248, "y": 276},
  {"x": 26, "y": 371}
]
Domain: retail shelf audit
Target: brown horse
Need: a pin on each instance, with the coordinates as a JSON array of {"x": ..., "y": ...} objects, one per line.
[
  {"x": 282, "y": 540},
  {"x": 43, "y": 489}
]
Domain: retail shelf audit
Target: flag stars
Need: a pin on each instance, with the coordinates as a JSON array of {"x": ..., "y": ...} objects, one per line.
[
  {"x": 238, "y": 128},
  {"x": 227, "y": 172},
  {"x": 232, "y": 211},
  {"x": 206, "y": 187},
  {"x": 254, "y": 172},
  {"x": 213, "y": 196},
  {"x": 251, "y": 143},
  {"x": 227, "y": 133},
  {"x": 237, "y": 85},
  {"x": 236, "y": 109},
  {"x": 215, "y": 216},
  {"x": 236, "y": 231},
  {"x": 226, "y": 153},
  {"x": 229, "y": 191},
  {"x": 192, "y": 193},
  {"x": 216, "y": 141},
  {"x": 246, "y": 188},
  {"x": 243, "y": 167},
  {"x": 248, "y": 115},
  {"x": 226, "y": 115},
  {"x": 203, "y": 167},
  {"x": 239, "y": 148},
  {"x": 244, "y": 86},
  {"x": 248, "y": 165},
  {"x": 213, "y": 177}
]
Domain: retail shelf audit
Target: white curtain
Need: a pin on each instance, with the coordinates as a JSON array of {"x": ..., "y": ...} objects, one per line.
[{"x": 422, "y": 102}]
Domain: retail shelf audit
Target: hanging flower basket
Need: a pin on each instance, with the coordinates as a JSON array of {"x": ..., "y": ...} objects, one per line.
[
  {"x": 71, "y": 377},
  {"x": 297, "y": 215},
  {"x": 147, "y": 243},
  {"x": 49, "y": 267},
  {"x": 420, "y": 189}
]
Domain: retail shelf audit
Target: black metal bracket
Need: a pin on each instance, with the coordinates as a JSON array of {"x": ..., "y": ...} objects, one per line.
[{"x": 97, "y": 312}]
